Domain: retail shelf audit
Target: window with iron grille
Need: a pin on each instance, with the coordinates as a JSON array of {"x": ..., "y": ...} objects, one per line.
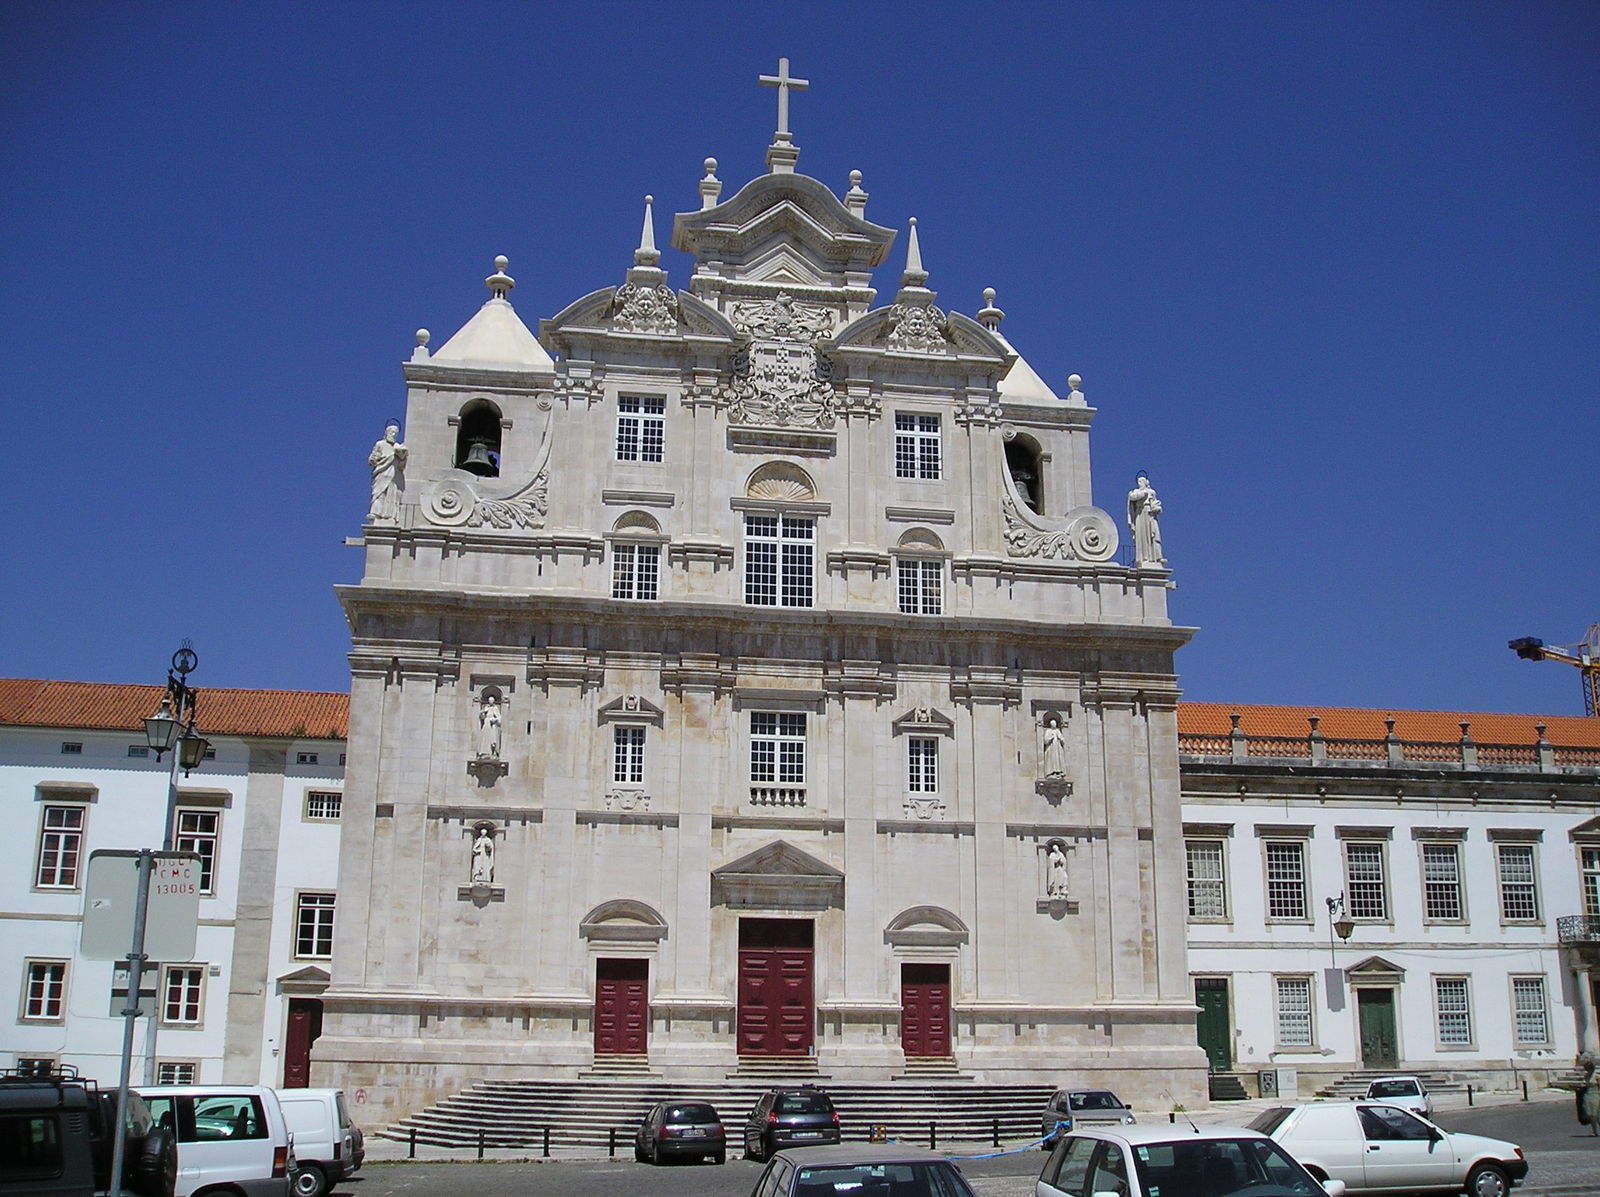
[
  {"x": 324, "y": 804},
  {"x": 1286, "y": 879},
  {"x": 635, "y": 571},
  {"x": 60, "y": 846},
  {"x": 177, "y": 1072},
  {"x": 1453, "y": 1011},
  {"x": 778, "y": 747},
  {"x": 1441, "y": 882},
  {"x": 921, "y": 586},
  {"x": 1365, "y": 887},
  {"x": 1532, "y": 1022},
  {"x": 198, "y": 831},
  {"x": 778, "y": 560},
  {"x": 1294, "y": 1012},
  {"x": 916, "y": 446},
  {"x": 1589, "y": 867},
  {"x": 44, "y": 995},
  {"x": 627, "y": 754},
  {"x": 1208, "y": 894},
  {"x": 313, "y": 926},
  {"x": 922, "y": 765},
  {"x": 182, "y": 989},
  {"x": 1519, "y": 893},
  {"x": 641, "y": 427}
]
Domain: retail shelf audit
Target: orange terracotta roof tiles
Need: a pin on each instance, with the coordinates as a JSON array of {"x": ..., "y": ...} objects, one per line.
[
  {"x": 285, "y": 714},
  {"x": 1362, "y": 723}
]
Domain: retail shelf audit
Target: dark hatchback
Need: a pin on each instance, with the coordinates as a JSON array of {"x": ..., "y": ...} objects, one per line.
[
  {"x": 789, "y": 1118},
  {"x": 678, "y": 1129}
]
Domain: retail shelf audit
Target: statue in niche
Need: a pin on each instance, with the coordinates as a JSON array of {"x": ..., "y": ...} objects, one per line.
[
  {"x": 483, "y": 856},
  {"x": 1055, "y": 748},
  {"x": 1144, "y": 512},
  {"x": 489, "y": 728},
  {"x": 387, "y": 459},
  {"x": 1055, "y": 884}
]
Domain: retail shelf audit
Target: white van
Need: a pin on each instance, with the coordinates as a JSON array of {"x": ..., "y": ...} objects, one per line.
[
  {"x": 324, "y": 1139},
  {"x": 231, "y": 1138}
]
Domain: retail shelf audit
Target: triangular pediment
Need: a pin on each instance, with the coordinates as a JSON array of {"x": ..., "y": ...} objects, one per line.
[
  {"x": 1374, "y": 966},
  {"x": 779, "y": 859},
  {"x": 1587, "y": 832},
  {"x": 308, "y": 981},
  {"x": 777, "y": 877}
]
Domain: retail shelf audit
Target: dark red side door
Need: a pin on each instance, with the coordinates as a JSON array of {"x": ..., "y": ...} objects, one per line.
[
  {"x": 305, "y": 1024},
  {"x": 621, "y": 1007},
  {"x": 925, "y": 1009}
]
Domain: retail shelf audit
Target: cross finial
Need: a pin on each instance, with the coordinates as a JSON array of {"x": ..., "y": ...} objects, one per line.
[{"x": 784, "y": 81}]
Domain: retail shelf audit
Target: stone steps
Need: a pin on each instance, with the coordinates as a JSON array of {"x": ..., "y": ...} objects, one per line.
[{"x": 1354, "y": 1084}]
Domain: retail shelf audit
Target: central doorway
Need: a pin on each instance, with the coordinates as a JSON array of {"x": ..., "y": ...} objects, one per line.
[
  {"x": 1379, "y": 1039},
  {"x": 621, "y": 1007},
  {"x": 776, "y": 1011},
  {"x": 925, "y": 1010}
]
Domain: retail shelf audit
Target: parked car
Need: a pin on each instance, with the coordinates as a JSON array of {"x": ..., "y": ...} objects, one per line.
[
  {"x": 861, "y": 1170},
  {"x": 1068, "y": 1108},
  {"x": 1175, "y": 1161},
  {"x": 1375, "y": 1147},
  {"x": 37, "y": 1109},
  {"x": 325, "y": 1140},
  {"x": 789, "y": 1118},
  {"x": 680, "y": 1128},
  {"x": 1405, "y": 1091},
  {"x": 231, "y": 1137}
]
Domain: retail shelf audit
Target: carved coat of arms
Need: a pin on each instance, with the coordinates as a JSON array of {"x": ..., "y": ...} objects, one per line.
[{"x": 779, "y": 378}]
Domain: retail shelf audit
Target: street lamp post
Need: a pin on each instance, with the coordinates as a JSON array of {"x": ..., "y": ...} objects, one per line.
[{"x": 1338, "y": 923}]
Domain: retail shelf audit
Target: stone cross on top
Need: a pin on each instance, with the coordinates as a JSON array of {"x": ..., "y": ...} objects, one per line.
[{"x": 781, "y": 154}]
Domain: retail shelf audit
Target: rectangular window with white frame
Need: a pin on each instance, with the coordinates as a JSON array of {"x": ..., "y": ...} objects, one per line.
[
  {"x": 916, "y": 446},
  {"x": 324, "y": 806},
  {"x": 61, "y": 829},
  {"x": 635, "y": 571},
  {"x": 921, "y": 586},
  {"x": 177, "y": 1072},
  {"x": 641, "y": 427},
  {"x": 182, "y": 995},
  {"x": 1366, "y": 888},
  {"x": 1441, "y": 883},
  {"x": 1530, "y": 1013},
  {"x": 777, "y": 758},
  {"x": 199, "y": 832},
  {"x": 627, "y": 754},
  {"x": 1589, "y": 880},
  {"x": 313, "y": 926},
  {"x": 922, "y": 765},
  {"x": 44, "y": 992},
  {"x": 1207, "y": 880},
  {"x": 1286, "y": 879},
  {"x": 1452, "y": 1011},
  {"x": 1519, "y": 886},
  {"x": 779, "y": 560},
  {"x": 1294, "y": 1012}
]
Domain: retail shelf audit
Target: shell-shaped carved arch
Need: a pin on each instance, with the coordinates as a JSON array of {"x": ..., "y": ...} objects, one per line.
[
  {"x": 638, "y": 522},
  {"x": 921, "y": 540},
  {"x": 782, "y": 481}
]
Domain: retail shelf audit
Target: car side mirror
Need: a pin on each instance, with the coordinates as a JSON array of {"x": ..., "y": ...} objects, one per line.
[{"x": 1333, "y": 1188}]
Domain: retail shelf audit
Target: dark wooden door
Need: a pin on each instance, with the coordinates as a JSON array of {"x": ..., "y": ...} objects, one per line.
[
  {"x": 925, "y": 1009},
  {"x": 1214, "y": 1029},
  {"x": 305, "y": 1024},
  {"x": 1379, "y": 1041},
  {"x": 776, "y": 1011},
  {"x": 621, "y": 1007}
]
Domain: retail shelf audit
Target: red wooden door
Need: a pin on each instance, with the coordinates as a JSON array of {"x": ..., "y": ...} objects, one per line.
[
  {"x": 621, "y": 1007},
  {"x": 775, "y": 1010},
  {"x": 305, "y": 1024},
  {"x": 925, "y": 1009}
]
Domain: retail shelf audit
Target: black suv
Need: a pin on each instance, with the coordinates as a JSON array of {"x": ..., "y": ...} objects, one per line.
[
  {"x": 789, "y": 1118},
  {"x": 57, "y": 1136}
]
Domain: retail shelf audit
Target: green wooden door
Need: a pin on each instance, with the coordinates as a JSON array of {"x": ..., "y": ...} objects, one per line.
[
  {"x": 1379, "y": 1042},
  {"x": 1214, "y": 1028}
]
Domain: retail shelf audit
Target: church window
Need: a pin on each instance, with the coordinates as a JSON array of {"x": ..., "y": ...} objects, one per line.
[
  {"x": 627, "y": 755},
  {"x": 641, "y": 428},
  {"x": 1452, "y": 1010},
  {"x": 60, "y": 847},
  {"x": 1294, "y": 1012},
  {"x": 1589, "y": 867},
  {"x": 1441, "y": 882},
  {"x": 1208, "y": 894},
  {"x": 1532, "y": 1022},
  {"x": 1365, "y": 885},
  {"x": 44, "y": 993},
  {"x": 478, "y": 439},
  {"x": 635, "y": 571},
  {"x": 777, "y": 757},
  {"x": 921, "y": 586},
  {"x": 779, "y": 553},
  {"x": 313, "y": 926},
  {"x": 198, "y": 832},
  {"x": 1519, "y": 893},
  {"x": 1286, "y": 879},
  {"x": 922, "y": 765},
  {"x": 182, "y": 987},
  {"x": 916, "y": 446}
]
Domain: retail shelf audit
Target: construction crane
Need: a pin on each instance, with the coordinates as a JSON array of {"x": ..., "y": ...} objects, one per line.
[{"x": 1586, "y": 656}]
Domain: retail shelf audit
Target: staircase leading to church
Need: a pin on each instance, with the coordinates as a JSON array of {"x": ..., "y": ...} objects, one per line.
[{"x": 513, "y": 1115}]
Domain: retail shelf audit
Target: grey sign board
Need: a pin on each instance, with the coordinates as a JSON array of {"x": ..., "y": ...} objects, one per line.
[{"x": 111, "y": 894}]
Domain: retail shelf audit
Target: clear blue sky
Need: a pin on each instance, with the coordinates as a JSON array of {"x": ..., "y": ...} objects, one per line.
[{"x": 1330, "y": 271}]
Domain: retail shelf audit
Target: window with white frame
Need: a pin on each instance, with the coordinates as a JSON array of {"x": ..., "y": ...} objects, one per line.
[
  {"x": 306, "y": 758},
  {"x": 60, "y": 845},
  {"x": 922, "y": 764},
  {"x": 1519, "y": 891},
  {"x": 1294, "y": 1012},
  {"x": 627, "y": 754},
  {"x": 44, "y": 990},
  {"x": 182, "y": 994},
  {"x": 198, "y": 832},
  {"x": 1531, "y": 1019},
  {"x": 635, "y": 571},
  {"x": 641, "y": 427},
  {"x": 1286, "y": 879},
  {"x": 324, "y": 805},
  {"x": 1208, "y": 892},
  {"x": 916, "y": 446},
  {"x": 779, "y": 560},
  {"x": 177, "y": 1072},
  {"x": 777, "y": 757},
  {"x": 921, "y": 585},
  {"x": 1441, "y": 882},
  {"x": 1365, "y": 887},
  {"x": 313, "y": 926},
  {"x": 1452, "y": 1009},
  {"x": 1589, "y": 880}
]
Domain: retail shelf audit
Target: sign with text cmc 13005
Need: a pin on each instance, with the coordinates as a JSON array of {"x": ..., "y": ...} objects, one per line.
[{"x": 111, "y": 895}]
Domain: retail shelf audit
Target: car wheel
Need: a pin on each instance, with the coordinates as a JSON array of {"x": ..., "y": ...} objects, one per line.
[
  {"x": 310, "y": 1181},
  {"x": 155, "y": 1169},
  {"x": 655, "y": 1155},
  {"x": 720, "y": 1158},
  {"x": 638, "y": 1152},
  {"x": 1488, "y": 1180}
]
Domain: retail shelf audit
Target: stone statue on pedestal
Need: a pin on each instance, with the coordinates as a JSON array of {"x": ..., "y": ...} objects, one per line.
[
  {"x": 1144, "y": 512},
  {"x": 387, "y": 458},
  {"x": 490, "y": 725},
  {"x": 483, "y": 857},
  {"x": 1055, "y": 885}
]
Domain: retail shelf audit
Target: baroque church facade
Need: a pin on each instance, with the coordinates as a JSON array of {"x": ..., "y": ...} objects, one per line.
[{"x": 743, "y": 676}]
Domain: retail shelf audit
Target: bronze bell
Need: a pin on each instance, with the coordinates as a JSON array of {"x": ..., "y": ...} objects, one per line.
[{"x": 478, "y": 460}]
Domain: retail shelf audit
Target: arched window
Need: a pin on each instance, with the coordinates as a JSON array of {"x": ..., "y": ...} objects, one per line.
[
  {"x": 1022, "y": 462},
  {"x": 478, "y": 439}
]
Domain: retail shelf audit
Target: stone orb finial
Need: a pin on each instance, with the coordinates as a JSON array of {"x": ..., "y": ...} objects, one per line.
[
  {"x": 501, "y": 262},
  {"x": 423, "y": 336},
  {"x": 855, "y": 178},
  {"x": 649, "y": 199},
  {"x": 1075, "y": 382},
  {"x": 988, "y": 297},
  {"x": 711, "y": 167}
]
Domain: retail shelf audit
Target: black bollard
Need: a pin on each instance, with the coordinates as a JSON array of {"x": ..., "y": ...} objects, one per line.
[
  {"x": 997, "y": 1132},
  {"x": 1469, "y": 1095},
  {"x": 547, "y": 1142},
  {"x": 933, "y": 1136},
  {"x": 411, "y": 1152},
  {"x": 480, "y": 1142},
  {"x": 611, "y": 1145},
  {"x": 1524, "y": 1090}
]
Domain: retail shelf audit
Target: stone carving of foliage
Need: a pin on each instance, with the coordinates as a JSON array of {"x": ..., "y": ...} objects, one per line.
[
  {"x": 455, "y": 503},
  {"x": 637, "y": 308},
  {"x": 1088, "y": 536},
  {"x": 627, "y": 799},
  {"x": 917, "y": 326}
]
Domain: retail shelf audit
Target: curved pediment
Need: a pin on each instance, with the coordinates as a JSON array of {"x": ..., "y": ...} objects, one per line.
[
  {"x": 623, "y": 920},
  {"x": 961, "y": 335},
  {"x": 779, "y": 207},
  {"x": 926, "y": 926}
]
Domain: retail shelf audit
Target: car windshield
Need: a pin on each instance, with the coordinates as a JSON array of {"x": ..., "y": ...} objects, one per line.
[
  {"x": 1392, "y": 1089},
  {"x": 1222, "y": 1168},
  {"x": 802, "y": 1103},
  {"x": 882, "y": 1180}
]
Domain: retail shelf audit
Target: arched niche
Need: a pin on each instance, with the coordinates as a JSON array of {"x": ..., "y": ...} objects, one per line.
[
  {"x": 781, "y": 481},
  {"x": 1025, "y": 467},
  {"x": 478, "y": 439}
]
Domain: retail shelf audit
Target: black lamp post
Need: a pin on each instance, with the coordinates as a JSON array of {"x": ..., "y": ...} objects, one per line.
[
  {"x": 173, "y": 726},
  {"x": 1339, "y": 923}
]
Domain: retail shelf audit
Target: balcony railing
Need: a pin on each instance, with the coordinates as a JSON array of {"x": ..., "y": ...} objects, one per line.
[
  {"x": 777, "y": 795},
  {"x": 1573, "y": 930}
]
